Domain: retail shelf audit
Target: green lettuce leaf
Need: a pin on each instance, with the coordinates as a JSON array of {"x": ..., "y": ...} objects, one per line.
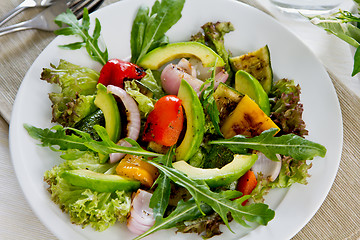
[
  {"x": 145, "y": 103},
  {"x": 291, "y": 172},
  {"x": 76, "y": 98},
  {"x": 84, "y": 206},
  {"x": 152, "y": 82}
]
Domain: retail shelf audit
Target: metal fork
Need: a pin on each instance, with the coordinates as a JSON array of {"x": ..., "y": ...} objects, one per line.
[
  {"x": 45, "y": 19},
  {"x": 22, "y": 6}
]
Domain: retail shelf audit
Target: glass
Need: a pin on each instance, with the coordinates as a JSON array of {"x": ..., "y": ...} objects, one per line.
[{"x": 307, "y": 7}]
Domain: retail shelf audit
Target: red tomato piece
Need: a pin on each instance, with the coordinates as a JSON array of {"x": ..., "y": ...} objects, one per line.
[
  {"x": 246, "y": 184},
  {"x": 115, "y": 71},
  {"x": 165, "y": 122}
]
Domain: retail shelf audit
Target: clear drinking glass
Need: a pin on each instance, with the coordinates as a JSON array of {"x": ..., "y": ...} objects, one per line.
[{"x": 307, "y": 7}]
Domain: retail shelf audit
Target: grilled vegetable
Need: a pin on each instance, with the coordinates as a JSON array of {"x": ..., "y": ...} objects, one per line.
[
  {"x": 256, "y": 63},
  {"x": 247, "y": 119}
]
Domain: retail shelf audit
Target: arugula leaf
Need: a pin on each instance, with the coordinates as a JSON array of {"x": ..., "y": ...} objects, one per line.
[
  {"x": 82, "y": 30},
  {"x": 184, "y": 211},
  {"x": 160, "y": 198},
  {"x": 220, "y": 202},
  {"x": 56, "y": 136},
  {"x": 148, "y": 30},
  {"x": 288, "y": 145},
  {"x": 208, "y": 101}
]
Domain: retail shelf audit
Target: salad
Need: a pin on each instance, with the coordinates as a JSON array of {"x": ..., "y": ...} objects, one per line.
[{"x": 160, "y": 142}]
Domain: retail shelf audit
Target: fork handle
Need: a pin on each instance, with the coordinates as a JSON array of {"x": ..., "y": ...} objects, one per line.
[
  {"x": 16, "y": 27},
  {"x": 12, "y": 14}
]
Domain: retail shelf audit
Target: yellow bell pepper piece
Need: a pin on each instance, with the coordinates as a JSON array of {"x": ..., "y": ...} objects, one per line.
[
  {"x": 132, "y": 166},
  {"x": 247, "y": 119}
]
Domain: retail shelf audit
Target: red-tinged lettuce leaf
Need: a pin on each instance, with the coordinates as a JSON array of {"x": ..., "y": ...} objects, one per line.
[
  {"x": 213, "y": 36},
  {"x": 208, "y": 226},
  {"x": 286, "y": 109},
  {"x": 76, "y": 97}
]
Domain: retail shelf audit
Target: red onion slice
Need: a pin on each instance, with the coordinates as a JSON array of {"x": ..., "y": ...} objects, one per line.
[
  {"x": 171, "y": 78},
  {"x": 269, "y": 169},
  {"x": 133, "y": 117},
  {"x": 186, "y": 65},
  {"x": 141, "y": 215}
]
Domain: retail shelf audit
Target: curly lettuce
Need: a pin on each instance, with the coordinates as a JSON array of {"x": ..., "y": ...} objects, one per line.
[
  {"x": 292, "y": 171},
  {"x": 213, "y": 36},
  {"x": 99, "y": 210},
  {"x": 76, "y": 98},
  {"x": 286, "y": 109}
]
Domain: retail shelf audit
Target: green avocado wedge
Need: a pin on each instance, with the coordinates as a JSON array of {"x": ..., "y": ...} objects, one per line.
[
  {"x": 99, "y": 182},
  {"x": 195, "y": 122},
  {"x": 245, "y": 83},
  {"x": 108, "y": 105},
  {"x": 215, "y": 177},
  {"x": 161, "y": 55}
]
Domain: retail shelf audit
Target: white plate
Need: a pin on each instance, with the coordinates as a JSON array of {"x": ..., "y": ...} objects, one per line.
[{"x": 253, "y": 29}]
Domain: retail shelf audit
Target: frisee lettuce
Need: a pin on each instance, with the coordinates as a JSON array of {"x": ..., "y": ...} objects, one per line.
[
  {"x": 77, "y": 95},
  {"x": 84, "y": 206},
  {"x": 145, "y": 103}
]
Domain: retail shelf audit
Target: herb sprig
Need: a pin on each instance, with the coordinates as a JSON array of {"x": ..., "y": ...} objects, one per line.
[
  {"x": 343, "y": 24},
  {"x": 208, "y": 101},
  {"x": 149, "y": 28},
  {"x": 82, "y": 30}
]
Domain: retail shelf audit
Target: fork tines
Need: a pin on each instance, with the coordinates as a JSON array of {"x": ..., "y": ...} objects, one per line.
[{"x": 77, "y": 6}]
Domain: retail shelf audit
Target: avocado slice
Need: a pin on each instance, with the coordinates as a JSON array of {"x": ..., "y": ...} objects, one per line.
[
  {"x": 195, "y": 121},
  {"x": 159, "y": 56},
  {"x": 258, "y": 64},
  {"x": 108, "y": 105},
  {"x": 245, "y": 83},
  {"x": 215, "y": 177},
  {"x": 99, "y": 182}
]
